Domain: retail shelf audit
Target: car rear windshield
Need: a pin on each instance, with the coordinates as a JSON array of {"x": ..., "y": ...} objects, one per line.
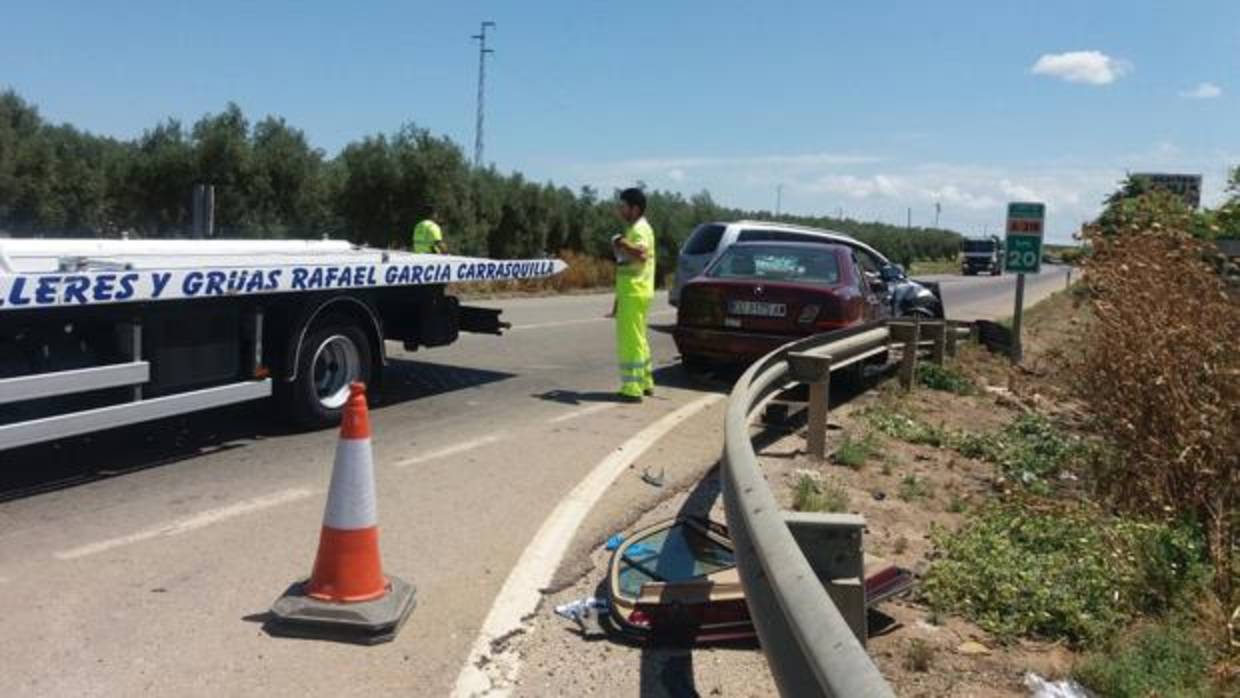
[
  {"x": 674, "y": 554},
  {"x": 979, "y": 245},
  {"x": 777, "y": 264},
  {"x": 704, "y": 240}
]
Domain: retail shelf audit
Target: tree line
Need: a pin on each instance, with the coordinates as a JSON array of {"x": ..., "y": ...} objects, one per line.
[{"x": 270, "y": 181}]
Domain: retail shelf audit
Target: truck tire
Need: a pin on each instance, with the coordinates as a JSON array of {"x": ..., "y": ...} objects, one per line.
[{"x": 334, "y": 353}]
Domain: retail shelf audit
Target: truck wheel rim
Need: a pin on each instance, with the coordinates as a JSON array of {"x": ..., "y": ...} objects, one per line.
[{"x": 337, "y": 363}]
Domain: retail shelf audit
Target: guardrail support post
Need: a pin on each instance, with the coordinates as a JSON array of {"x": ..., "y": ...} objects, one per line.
[
  {"x": 953, "y": 336},
  {"x": 908, "y": 333},
  {"x": 937, "y": 332},
  {"x": 832, "y": 545},
  {"x": 814, "y": 369}
]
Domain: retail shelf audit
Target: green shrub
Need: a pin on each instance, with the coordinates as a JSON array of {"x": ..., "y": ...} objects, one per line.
[
  {"x": 945, "y": 378},
  {"x": 896, "y": 423},
  {"x": 816, "y": 494},
  {"x": 1029, "y": 450},
  {"x": 1062, "y": 574},
  {"x": 1161, "y": 660},
  {"x": 914, "y": 488},
  {"x": 853, "y": 453}
]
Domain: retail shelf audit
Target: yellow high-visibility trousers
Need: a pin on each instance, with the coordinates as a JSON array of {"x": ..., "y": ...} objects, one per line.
[{"x": 632, "y": 348}]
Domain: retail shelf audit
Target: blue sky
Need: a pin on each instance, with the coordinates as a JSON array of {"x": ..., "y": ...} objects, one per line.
[{"x": 868, "y": 108}]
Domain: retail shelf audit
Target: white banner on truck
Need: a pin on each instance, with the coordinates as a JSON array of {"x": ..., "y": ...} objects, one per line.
[{"x": 51, "y": 289}]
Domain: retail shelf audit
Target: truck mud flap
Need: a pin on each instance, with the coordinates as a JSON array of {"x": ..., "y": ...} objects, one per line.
[{"x": 482, "y": 320}]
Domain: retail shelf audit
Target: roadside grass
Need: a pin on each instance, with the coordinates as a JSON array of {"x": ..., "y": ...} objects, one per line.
[
  {"x": 893, "y": 419},
  {"x": 918, "y": 656},
  {"x": 814, "y": 493},
  {"x": 946, "y": 378},
  {"x": 855, "y": 452},
  {"x": 1029, "y": 450},
  {"x": 1028, "y": 568},
  {"x": 934, "y": 266},
  {"x": 913, "y": 488},
  {"x": 1161, "y": 659}
]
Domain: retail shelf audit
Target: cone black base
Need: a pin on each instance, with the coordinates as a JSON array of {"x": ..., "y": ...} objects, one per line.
[{"x": 363, "y": 623}]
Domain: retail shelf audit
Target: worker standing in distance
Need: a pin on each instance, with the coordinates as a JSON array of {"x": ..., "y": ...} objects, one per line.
[
  {"x": 635, "y": 260},
  {"x": 427, "y": 237}
]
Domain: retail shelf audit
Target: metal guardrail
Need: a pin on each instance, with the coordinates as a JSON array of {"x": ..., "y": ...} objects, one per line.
[{"x": 810, "y": 647}]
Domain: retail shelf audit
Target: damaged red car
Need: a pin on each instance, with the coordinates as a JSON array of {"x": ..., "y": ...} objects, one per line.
[{"x": 757, "y": 297}]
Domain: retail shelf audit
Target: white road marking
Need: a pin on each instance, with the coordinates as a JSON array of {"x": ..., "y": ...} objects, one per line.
[
  {"x": 538, "y": 562},
  {"x": 583, "y": 321},
  {"x": 583, "y": 412},
  {"x": 192, "y": 523},
  {"x": 451, "y": 450}
]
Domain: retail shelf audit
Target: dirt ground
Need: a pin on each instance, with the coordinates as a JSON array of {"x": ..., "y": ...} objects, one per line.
[{"x": 959, "y": 659}]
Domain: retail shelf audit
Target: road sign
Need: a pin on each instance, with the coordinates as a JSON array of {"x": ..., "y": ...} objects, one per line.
[{"x": 1022, "y": 250}]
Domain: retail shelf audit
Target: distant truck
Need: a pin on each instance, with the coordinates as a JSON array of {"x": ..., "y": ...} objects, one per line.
[
  {"x": 96, "y": 334},
  {"x": 978, "y": 255}
]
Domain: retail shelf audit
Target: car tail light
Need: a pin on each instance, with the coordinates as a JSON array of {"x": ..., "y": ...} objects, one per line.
[
  {"x": 808, "y": 314},
  {"x": 639, "y": 618}
]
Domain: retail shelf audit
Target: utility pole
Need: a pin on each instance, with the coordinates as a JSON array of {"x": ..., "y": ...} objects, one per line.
[
  {"x": 937, "y": 210},
  {"x": 481, "y": 38},
  {"x": 779, "y": 198},
  {"x": 909, "y": 221}
]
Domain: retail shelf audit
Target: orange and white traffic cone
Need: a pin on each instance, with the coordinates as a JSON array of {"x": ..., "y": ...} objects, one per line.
[{"x": 347, "y": 596}]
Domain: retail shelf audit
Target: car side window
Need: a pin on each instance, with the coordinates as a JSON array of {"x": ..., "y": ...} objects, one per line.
[{"x": 869, "y": 263}]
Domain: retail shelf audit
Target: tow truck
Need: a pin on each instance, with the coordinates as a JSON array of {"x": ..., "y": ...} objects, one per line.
[{"x": 96, "y": 334}]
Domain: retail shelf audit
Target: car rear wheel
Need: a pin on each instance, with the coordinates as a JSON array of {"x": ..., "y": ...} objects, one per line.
[{"x": 334, "y": 354}]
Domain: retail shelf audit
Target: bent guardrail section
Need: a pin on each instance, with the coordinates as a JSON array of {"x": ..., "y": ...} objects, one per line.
[{"x": 810, "y": 648}]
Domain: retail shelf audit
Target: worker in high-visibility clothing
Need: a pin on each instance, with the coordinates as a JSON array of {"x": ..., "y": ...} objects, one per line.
[
  {"x": 427, "y": 237},
  {"x": 635, "y": 259}
]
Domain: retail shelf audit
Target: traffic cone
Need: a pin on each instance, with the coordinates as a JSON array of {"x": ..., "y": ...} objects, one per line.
[{"x": 347, "y": 597}]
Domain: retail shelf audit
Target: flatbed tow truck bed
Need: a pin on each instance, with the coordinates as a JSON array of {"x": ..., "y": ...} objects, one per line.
[{"x": 95, "y": 334}]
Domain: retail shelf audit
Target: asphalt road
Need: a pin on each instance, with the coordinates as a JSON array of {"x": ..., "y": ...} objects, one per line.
[{"x": 142, "y": 560}]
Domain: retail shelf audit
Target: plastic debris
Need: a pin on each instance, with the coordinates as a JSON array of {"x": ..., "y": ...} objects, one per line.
[
  {"x": 1064, "y": 688},
  {"x": 614, "y": 542},
  {"x": 582, "y": 610}
]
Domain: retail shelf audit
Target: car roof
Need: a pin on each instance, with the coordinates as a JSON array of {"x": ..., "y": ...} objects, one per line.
[
  {"x": 799, "y": 245},
  {"x": 842, "y": 238}
]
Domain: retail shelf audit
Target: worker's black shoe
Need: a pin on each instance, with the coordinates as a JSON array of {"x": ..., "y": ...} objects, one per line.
[
  {"x": 648, "y": 392},
  {"x": 630, "y": 399}
]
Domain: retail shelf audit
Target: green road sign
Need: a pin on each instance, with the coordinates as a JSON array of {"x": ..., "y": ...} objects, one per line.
[
  {"x": 1023, "y": 254},
  {"x": 1022, "y": 251}
]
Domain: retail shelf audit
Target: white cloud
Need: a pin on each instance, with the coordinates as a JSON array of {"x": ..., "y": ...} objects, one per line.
[
  {"x": 972, "y": 195},
  {"x": 1089, "y": 67},
  {"x": 1203, "y": 90}
]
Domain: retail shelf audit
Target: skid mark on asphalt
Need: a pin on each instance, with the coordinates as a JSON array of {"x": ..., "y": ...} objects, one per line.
[
  {"x": 493, "y": 666},
  {"x": 192, "y": 523},
  {"x": 583, "y": 412},
  {"x": 451, "y": 450}
]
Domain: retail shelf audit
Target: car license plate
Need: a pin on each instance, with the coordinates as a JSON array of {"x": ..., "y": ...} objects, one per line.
[{"x": 757, "y": 309}]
